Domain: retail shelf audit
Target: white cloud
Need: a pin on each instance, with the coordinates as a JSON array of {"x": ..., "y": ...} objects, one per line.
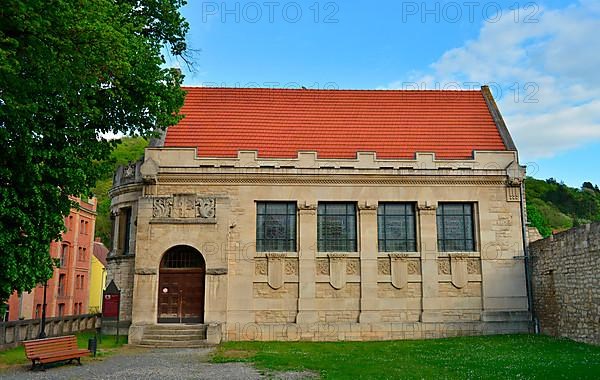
[{"x": 554, "y": 63}]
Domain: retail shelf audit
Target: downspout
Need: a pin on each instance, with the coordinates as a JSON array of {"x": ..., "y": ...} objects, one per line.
[{"x": 527, "y": 262}]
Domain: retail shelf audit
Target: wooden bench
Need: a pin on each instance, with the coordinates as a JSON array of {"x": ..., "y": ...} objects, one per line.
[{"x": 50, "y": 350}]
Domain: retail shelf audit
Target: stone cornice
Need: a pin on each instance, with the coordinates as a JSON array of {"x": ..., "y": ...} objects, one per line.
[{"x": 177, "y": 179}]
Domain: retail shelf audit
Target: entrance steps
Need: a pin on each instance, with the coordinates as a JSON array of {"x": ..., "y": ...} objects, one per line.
[{"x": 174, "y": 336}]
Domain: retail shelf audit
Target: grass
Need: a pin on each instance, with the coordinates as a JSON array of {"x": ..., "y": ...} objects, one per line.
[
  {"x": 16, "y": 356},
  {"x": 491, "y": 357}
]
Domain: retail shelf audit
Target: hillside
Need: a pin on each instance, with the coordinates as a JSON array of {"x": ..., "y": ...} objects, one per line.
[{"x": 554, "y": 206}]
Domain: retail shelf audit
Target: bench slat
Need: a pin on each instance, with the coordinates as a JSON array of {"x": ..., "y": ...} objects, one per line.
[{"x": 51, "y": 350}]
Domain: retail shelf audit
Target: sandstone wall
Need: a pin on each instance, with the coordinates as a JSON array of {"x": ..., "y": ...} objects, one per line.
[{"x": 566, "y": 283}]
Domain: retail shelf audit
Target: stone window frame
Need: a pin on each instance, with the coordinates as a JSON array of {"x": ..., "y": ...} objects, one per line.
[
  {"x": 441, "y": 227},
  {"x": 350, "y": 242},
  {"x": 291, "y": 224},
  {"x": 381, "y": 215},
  {"x": 124, "y": 233}
]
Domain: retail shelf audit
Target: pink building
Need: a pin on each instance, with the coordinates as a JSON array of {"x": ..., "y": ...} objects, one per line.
[{"x": 68, "y": 289}]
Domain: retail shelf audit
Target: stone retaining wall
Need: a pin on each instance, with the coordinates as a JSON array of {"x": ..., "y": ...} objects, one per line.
[
  {"x": 566, "y": 283},
  {"x": 14, "y": 332}
]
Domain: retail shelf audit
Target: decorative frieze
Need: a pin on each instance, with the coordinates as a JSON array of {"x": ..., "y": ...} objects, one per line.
[
  {"x": 291, "y": 267},
  {"x": 322, "y": 267},
  {"x": 184, "y": 208},
  {"x": 383, "y": 266},
  {"x": 473, "y": 265},
  {"x": 260, "y": 267},
  {"x": 513, "y": 194},
  {"x": 413, "y": 265},
  {"x": 352, "y": 266}
]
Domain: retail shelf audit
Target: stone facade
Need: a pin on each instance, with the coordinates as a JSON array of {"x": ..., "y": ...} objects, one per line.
[
  {"x": 209, "y": 204},
  {"x": 566, "y": 283}
]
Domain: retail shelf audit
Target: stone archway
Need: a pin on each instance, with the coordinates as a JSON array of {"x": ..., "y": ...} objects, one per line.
[{"x": 181, "y": 286}]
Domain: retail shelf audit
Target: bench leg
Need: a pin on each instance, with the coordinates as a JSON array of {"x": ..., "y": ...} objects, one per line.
[{"x": 79, "y": 361}]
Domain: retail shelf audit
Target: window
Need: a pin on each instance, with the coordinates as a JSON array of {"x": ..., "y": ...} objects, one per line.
[
  {"x": 396, "y": 227},
  {"x": 124, "y": 230},
  {"x": 38, "y": 311},
  {"x": 6, "y": 315},
  {"x": 61, "y": 309},
  {"x": 336, "y": 227},
  {"x": 64, "y": 256},
  {"x": 84, "y": 254},
  {"x": 62, "y": 284},
  {"x": 455, "y": 227},
  {"x": 82, "y": 227},
  {"x": 275, "y": 227}
]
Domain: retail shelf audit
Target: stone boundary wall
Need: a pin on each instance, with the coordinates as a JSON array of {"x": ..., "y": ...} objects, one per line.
[
  {"x": 14, "y": 332},
  {"x": 566, "y": 283}
]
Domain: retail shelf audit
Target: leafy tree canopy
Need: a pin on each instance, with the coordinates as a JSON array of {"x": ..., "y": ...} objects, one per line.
[
  {"x": 130, "y": 149},
  {"x": 71, "y": 72},
  {"x": 555, "y": 206}
]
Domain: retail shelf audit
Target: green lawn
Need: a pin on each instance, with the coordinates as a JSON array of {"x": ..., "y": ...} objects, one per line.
[
  {"x": 491, "y": 357},
  {"x": 16, "y": 356}
]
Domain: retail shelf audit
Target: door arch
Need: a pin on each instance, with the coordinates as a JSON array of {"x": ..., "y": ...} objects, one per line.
[{"x": 181, "y": 286}]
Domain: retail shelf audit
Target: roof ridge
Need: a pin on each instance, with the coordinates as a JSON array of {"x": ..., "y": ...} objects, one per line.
[{"x": 328, "y": 89}]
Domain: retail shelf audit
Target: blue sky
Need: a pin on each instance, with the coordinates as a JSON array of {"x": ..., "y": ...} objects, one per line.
[{"x": 539, "y": 58}]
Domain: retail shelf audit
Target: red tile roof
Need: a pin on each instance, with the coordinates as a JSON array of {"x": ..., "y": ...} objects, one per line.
[
  {"x": 335, "y": 123},
  {"x": 101, "y": 252}
]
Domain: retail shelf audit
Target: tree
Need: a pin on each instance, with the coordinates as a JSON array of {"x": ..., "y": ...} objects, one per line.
[
  {"x": 130, "y": 149},
  {"x": 70, "y": 73}
]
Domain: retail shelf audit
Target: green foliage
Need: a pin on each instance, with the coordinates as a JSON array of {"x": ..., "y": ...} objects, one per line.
[
  {"x": 491, "y": 357},
  {"x": 71, "y": 72},
  {"x": 129, "y": 149},
  {"x": 555, "y": 206}
]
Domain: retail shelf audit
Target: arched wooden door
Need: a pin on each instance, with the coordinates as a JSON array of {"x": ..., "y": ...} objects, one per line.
[{"x": 181, "y": 286}]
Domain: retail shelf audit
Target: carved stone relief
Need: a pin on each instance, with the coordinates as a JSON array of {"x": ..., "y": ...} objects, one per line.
[
  {"x": 184, "y": 206},
  {"x": 473, "y": 266},
  {"x": 383, "y": 266},
  {"x": 458, "y": 268},
  {"x": 443, "y": 266},
  {"x": 275, "y": 269},
  {"x": 352, "y": 267},
  {"x": 323, "y": 267},
  {"x": 399, "y": 270},
  {"x": 291, "y": 266},
  {"x": 337, "y": 270},
  {"x": 260, "y": 267},
  {"x": 161, "y": 207}
]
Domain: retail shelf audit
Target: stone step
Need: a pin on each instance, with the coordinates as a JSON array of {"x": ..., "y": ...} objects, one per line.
[
  {"x": 174, "y": 332},
  {"x": 196, "y": 343},
  {"x": 170, "y": 337},
  {"x": 175, "y": 329}
]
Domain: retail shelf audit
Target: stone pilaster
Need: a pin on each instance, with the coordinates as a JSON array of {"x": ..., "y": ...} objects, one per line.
[
  {"x": 428, "y": 230},
  {"x": 307, "y": 238},
  {"x": 369, "y": 303}
]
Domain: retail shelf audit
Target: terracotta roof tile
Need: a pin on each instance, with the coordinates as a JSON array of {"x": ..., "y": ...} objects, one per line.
[{"x": 335, "y": 123}]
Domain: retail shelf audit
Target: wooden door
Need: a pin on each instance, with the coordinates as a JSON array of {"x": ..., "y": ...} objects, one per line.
[
  {"x": 181, "y": 296},
  {"x": 181, "y": 290}
]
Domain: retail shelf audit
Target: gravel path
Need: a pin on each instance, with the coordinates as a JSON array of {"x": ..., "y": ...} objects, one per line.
[{"x": 146, "y": 364}]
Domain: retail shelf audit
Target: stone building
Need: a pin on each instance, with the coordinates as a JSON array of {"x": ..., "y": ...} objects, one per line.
[{"x": 276, "y": 214}]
